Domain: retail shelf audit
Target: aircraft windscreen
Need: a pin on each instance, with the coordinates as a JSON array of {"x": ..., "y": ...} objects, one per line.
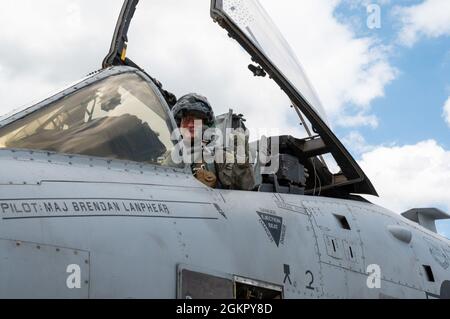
[
  {"x": 252, "y": 19},
  {"x": 119, "y": 117}
]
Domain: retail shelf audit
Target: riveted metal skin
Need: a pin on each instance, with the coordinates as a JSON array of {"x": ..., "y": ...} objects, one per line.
[{"x": 138, "y": 222}]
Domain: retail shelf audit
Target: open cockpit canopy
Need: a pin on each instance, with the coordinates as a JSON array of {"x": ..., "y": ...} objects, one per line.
[{"x": 249, "y": 24}]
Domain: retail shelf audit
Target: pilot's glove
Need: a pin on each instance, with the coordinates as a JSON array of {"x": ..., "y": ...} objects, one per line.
[{"x": 203, "y": 175}]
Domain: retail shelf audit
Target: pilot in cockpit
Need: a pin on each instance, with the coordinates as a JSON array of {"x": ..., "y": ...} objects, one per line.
[{"x": 228, "y": 174}]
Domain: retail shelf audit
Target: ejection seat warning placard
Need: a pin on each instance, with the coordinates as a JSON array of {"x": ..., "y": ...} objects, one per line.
[{"x": 58, "y": 208}]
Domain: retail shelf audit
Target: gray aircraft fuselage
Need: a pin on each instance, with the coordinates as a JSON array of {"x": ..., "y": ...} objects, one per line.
[{"x": 134, "y": 230}]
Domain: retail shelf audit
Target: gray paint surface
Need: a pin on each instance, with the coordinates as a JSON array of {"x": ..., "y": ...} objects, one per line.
[{"x": 136, "y": 229}]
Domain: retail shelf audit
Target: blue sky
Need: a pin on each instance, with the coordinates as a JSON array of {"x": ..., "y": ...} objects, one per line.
[
  {"x": 417, "y": 96},
  {"x": 411, "y": 109}
]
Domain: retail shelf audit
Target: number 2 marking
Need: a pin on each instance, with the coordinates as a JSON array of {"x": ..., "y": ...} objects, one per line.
[{"x": 310, "y": 287}]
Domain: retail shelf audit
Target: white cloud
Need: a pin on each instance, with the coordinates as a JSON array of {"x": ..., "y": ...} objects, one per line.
[
  {"x": 358, "y": 3},
  {"x": 358, "y": 120},
  {"x": 446, "y": 114},
  {"x": 55, "y": 42},
  {"x": 18, "y": 91},
  {"x": 346, "y": 70},
  {"x": 431, "y": 18},
  {"x": 356, "y": 143},
  {"x": 410, "y": 176},
  {"x": 50, "y": 43}
]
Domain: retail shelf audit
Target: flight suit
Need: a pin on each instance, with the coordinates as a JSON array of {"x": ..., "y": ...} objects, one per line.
[
  {"x": 234, "y": 173},
  {"x": 225, "y": 176}
]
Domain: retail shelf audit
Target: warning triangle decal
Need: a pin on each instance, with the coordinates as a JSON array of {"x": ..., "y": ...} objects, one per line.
[{"x": 273, "y": 225}]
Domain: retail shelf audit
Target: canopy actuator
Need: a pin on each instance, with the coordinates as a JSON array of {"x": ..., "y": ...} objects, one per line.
[{"x": 118, "y": 51}]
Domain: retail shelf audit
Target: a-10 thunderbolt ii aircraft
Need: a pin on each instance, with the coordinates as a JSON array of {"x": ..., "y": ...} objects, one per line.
[{"x": 88, "y": 210}]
